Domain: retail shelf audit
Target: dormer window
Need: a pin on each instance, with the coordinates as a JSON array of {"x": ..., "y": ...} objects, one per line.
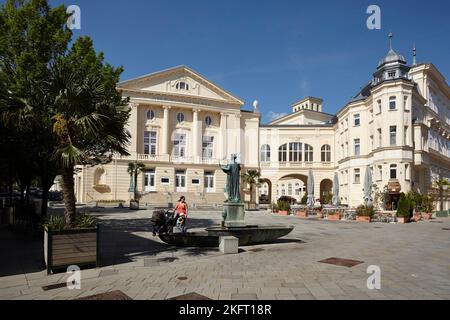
[
  {"x": 392, "y": 74},
  {"x": 182, "y": 86}
]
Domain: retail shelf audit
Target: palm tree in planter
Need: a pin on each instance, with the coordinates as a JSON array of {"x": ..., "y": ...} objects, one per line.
[
  {"x": 253, "y": 179},
  {"x": 134, "y": 169}
]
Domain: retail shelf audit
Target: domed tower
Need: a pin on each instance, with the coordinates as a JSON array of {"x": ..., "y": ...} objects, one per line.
[{"x": 392, "y": 67}]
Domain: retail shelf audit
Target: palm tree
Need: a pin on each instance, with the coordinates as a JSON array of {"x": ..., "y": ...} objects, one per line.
[
  {"x": 441, "y": 185},
  {"x": 252, "y": 178},
  {"x": 88, "y": 121},
  {"x": 134, "y": 169}
]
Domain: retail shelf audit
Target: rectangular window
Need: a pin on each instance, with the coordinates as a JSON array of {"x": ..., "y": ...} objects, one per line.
[
  {"x": 392, "y": 74},
  {"x": 209, "y": 181},
  {"x": 407, "y": 172},
  {"x": 392, "y": 103},
  {"x": 295, "y": 152},
  {"x": 208, "y": 147},
  {"x": 165, "y": 181},
  {"x": 357, "y": 179},
  {"x": 393, "y": 135},
  {"x": 393, "y": 171},
  {"x": 179, "y": 145},
  {"x": 380, "y": 173},
  {"x": 195, "y": 182},
  {"x": 379, "y": 106},
  {"x": 357, "y": 147},
  {"x": 371, "y": 143},
  {"x": 380, "y": 138},
  {"x": 149, "y": 180},
  {"x": 357, "y": 118},
  {"x": 150, "y": 143},
  {"x": 180, "y": 181}
]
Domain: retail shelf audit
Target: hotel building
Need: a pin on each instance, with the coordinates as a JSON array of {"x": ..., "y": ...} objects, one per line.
[{"x": 183, "y": 126}]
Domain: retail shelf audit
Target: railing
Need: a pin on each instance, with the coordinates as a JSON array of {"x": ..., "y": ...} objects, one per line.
[
  {"x": 297, "y": 164},
  {"x": 170, "y": 158}
]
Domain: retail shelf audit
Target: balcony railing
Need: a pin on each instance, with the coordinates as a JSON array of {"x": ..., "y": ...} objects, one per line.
[
  {"x": 170, "y": 159},
  {"x": 296, "y": 164}
]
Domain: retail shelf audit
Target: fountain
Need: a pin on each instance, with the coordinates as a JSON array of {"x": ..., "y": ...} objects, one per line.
[{"x": 233, "y": 223}]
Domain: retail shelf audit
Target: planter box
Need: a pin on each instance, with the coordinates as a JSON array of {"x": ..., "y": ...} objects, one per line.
[
  {"x": 334, "y": 217},
  {"x": 71, "y": 247},
  {"x": 134, "y": 205},
  {"x": 283, "y": 213},
  {"x": 427, "y": 216},
  {"x": 320, "y": 215},
  {"x": 442, "y": 214},
  {"x": 363, "y": 219},
  {"x": 402, "y": 220},
  {"x": 417, "y": 217},
  {"x": 302, "y": 214}
]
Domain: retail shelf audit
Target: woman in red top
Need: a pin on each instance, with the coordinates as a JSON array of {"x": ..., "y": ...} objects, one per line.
[{"x": 181, "y": 211}]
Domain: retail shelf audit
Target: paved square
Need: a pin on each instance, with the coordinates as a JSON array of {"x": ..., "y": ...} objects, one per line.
[{"x": 414, "y": 260}]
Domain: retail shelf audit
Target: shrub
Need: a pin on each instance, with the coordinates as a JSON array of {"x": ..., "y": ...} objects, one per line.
[
  {"x": 428, "y": 204},
  {"x": 287, "y": 199},
  {"x": 404, "y": 207},
  {"x": 304, "y": 200},
  {"x": 333, "y": 213},
  {"x": 58, "y": 223},
  {"x": 329, "y": 199},
  {"x": 284, "y": 206},
  {"x": 365, "y": 211}
]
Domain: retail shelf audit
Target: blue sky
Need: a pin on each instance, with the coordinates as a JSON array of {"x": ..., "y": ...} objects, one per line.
[{"x": 273, "y": 51}]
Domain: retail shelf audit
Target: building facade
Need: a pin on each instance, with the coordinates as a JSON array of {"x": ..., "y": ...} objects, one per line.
[{"x": 183, "y": 126}]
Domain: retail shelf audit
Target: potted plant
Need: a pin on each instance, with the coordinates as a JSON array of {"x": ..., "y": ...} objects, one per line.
[
  {"x": 334, "y": 216},
  {"x": 428, "y": 207},
  {"x": 284, "y": 208},
  {"x": 320, "y": 214},
  {"x": 302, "y": 213},
  {"x": 364, "y": 213},
  {"x": 403, "y": 210},
  {"x": 274, "y": 207},
  {"x": 66, "y": 245}
]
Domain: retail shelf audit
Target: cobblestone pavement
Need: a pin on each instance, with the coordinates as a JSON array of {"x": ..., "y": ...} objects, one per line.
[{"x": 414, "y": 261}]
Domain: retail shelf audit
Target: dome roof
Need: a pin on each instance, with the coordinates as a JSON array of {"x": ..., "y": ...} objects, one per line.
[{"x": 392, "y": 56}]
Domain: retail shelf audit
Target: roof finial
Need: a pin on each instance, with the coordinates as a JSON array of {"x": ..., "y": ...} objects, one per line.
[
  {"x": 414, "y": 55},
  {"x": 390, "y": 35}
]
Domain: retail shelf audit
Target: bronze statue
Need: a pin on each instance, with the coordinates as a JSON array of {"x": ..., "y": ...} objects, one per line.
[{"x": 233, "y": 171}]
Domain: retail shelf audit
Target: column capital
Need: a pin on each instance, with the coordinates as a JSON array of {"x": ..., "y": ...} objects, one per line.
[
  {"x": 196, "y": 110},
  {"x": 133, "y": 104},
  {"x": 167, "y": 107},
  {"x": 223, "y": 114}
]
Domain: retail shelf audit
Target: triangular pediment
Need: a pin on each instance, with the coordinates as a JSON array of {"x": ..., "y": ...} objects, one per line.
[
  {"x": 303, "y": 117},
  {"x": 179, "y": 81}
]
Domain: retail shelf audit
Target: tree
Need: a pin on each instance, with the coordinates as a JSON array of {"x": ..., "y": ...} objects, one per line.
[
  {"x": 134, "y": 169},
  {"x": 252, "y": 178},
  {"x": 441, "y": 185},
  {"x": 33, "y": 36},
  {"x": 89, "y": 114}
]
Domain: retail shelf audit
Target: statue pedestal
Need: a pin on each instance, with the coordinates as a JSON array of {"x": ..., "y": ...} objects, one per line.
[{"x": 234, "y": 215}]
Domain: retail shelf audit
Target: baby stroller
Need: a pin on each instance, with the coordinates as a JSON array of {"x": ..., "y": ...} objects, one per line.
[{"x": 163, "y": 221}]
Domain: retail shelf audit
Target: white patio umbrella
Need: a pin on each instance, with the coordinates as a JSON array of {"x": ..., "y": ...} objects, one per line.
[
  {"x": 310, "y": 186},
  {"x": 336, "y": 200},
  {"x": 368, "y": 200}
]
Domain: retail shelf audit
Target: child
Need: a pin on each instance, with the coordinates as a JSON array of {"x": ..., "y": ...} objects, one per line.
[{"x": 181, "y": 211}]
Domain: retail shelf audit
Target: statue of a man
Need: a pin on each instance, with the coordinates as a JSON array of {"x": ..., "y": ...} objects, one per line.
[{"x": 233, "y": 171}]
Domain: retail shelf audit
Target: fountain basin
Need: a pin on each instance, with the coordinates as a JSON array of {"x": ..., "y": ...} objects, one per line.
[
  {"x": 191, "y": 239},
  {"x": 250, "y": 235}
]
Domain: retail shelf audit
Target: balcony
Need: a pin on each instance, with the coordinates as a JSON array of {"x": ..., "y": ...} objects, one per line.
[{"x": 169, "y": 159}]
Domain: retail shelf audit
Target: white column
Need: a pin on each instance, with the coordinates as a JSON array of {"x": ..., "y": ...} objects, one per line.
[
  {"x": 165, "y": 131},
  {"x": 223, "y": 136},
  {"x": 196, "y": 136},
  {"x": 401, "y": 122},
  {"x": 133, "y": 128}
]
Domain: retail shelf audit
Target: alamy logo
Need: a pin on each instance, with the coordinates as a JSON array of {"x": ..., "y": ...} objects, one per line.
[
  {"x": 374, "y": 20},
  {"x": 74, "y": 280},
  {"x": 374, "y": 281},
  {"x": 74, "y": 21}
]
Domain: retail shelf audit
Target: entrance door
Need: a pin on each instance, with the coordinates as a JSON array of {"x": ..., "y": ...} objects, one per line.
[
  {"x": 180, "y": 181},
  {"x": 209, "y": 182},
  {"x": 149, "y": 183}
]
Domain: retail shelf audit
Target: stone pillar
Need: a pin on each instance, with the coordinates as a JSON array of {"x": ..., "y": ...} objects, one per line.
[
  {"x": 401, "y": 121},
  {"x": 133, "y": 128},
  {"x": 196, "y": 136},
  {"x": 165, "y": 131},
  {"x": 223, "y": 136}
]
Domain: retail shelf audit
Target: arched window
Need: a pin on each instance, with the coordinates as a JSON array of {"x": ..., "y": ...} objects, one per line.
[
  {"x": 326, "y": 153},
  {"x": 282, "y": 153},
  {"x": 182, "y": 86},
  {"x": 265, "y": 153},
  {"x": 295, "y": 152},
  {"x": 150, "y": 115},
  {"x": 180, "y": 117},
  {"x": 309, "y": 153}
]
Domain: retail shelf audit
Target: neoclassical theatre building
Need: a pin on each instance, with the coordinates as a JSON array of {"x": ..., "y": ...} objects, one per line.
[{"x": 184, "y": 126}]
